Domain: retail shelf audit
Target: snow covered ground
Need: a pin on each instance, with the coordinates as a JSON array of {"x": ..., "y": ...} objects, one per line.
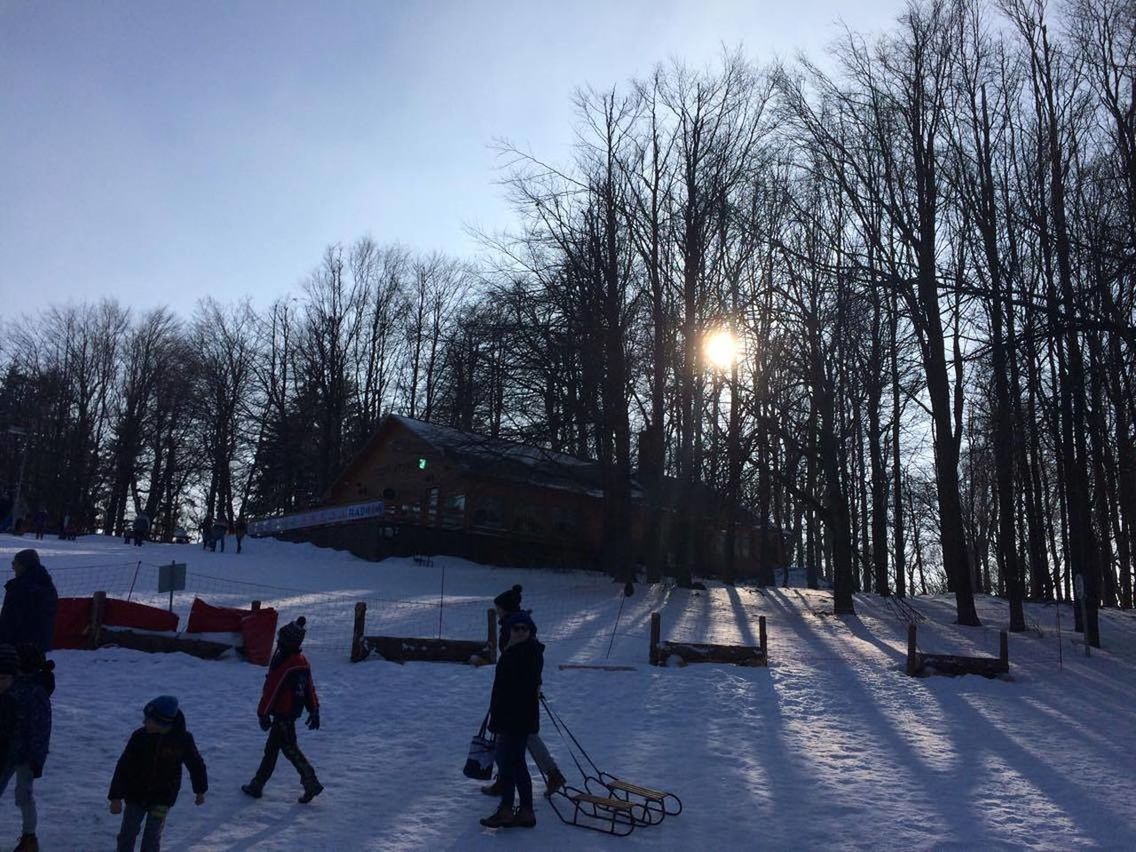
[{"x": 831, "y": 746}]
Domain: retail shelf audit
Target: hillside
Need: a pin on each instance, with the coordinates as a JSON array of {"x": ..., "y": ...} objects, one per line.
[{"x": 831, "y": 746}]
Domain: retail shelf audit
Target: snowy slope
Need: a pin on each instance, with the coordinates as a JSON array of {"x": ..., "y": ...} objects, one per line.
[{"x": 831, "y": 746}]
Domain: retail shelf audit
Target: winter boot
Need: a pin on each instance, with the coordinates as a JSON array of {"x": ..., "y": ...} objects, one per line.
[
  {"x": 500, "y": 818},
  {"x": 493, "y": 789},
  {"x": 310, "y": 793},
  {"x": 555, "y": 781},
  {"x": 523, "y": 818},
  {"x": 28, "y": 843},
  {"x": 253, "y": 788}
]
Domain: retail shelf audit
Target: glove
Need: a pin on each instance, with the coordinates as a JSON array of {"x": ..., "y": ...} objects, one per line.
[
  {"x": 314, "y": 721},
  {"x": 116, "y": 806},
  {"x": 37, "y": 770},
  {"x": 265, "y": 722}
]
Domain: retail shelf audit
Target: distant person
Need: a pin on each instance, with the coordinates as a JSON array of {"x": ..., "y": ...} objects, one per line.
[
  {"x": 30, "y": 600},
  {"x": 514, "y": 714},
  {"x": 240, "y": 530},
  {"x": 5, "y": 512},
  {"x": 507, "y": 603},
  {"x": 39, "y": 523},
  {"x": 288, "y": 691},
  {"x": 140, "y": 528},
  {"x": 25, "y": 730},
  {"x": 206, "y": 532},
  {"x": 148, "y": 774},
  {"x": 218, "y": 532}
]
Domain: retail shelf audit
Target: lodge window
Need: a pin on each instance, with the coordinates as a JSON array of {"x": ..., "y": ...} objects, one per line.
[
  {"x": 488, "y": 513},
  {"x": 453, "y": 511}
]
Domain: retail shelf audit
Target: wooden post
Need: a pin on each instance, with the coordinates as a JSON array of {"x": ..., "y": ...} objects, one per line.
[
  {"x": 655, "y": 631},
  {"x": 492, "y": 635},
  {"x": 761, "y": 638},
  {"x": 1004, "y": 649},
  {"x": 358, "y": 647},
  {"x": 256, "y": 606},
  {"x": 912, "y": 654},
  {"x": 98, "y": 607}
]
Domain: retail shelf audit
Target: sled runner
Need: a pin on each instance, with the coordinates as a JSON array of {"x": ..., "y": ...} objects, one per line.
[
  {"x": 606, "y": 803},
  {"x": 599, "y": 813}
]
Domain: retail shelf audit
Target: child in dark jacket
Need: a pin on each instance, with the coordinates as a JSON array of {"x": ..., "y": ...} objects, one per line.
[
  {"x": 148, "y": 775},
  {"x": 288, "y": 690},
  {"x": 25, "y": 731}
]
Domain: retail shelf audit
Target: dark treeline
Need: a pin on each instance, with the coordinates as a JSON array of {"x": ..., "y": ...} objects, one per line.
[{"x": 927, "y": 255}]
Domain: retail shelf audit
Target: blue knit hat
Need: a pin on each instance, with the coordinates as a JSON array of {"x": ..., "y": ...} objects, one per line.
[
  {"x": 163, "y": 709},
  {"x": 520, "y": 618}
]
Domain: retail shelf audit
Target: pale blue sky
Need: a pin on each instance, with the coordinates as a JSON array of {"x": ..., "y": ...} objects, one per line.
[{"x": 159, "y": 152}]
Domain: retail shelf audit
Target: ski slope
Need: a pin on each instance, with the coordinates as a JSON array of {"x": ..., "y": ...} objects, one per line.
[{"x": 832, "y": 746}]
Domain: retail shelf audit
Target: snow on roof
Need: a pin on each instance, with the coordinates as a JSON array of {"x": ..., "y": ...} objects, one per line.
[{"x": 506, "y": 459}]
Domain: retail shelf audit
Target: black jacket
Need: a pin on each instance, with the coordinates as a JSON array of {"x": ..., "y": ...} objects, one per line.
[
  {"x": 515, "y": 705},
  {"x": 149, "y": 771},
  {"x": 28, "y": 613}
]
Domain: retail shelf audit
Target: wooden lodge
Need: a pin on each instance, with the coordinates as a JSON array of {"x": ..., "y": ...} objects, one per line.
[{"x": 418, "y": 488}]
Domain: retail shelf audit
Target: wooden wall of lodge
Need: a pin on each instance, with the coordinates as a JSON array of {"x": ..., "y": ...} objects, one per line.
[{"x": 569, "y": 524}]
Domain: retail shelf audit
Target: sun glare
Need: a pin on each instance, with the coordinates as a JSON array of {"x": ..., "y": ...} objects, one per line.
[{"x": 722, "y": 349}]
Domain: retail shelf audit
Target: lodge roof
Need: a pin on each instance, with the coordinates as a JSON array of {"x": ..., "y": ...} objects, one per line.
[{"x": 499, "y": 458}]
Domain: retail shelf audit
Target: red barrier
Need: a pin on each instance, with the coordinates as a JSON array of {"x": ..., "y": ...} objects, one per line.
[
  {"x": 139, "y": 616},
  {"x": 72, "y": 623},
  {"x": 206, "y": 618},
  {"x": 257, "y": 627}
]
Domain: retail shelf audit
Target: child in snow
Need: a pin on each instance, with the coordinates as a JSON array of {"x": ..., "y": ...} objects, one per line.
[
  {"x": 288, "y": 690},
  {"x": 507, "y": 603},
  {"x": 25, "y": 730},
  {"x": 148, "y": 775},
  {"x": 514, "y": 714}
]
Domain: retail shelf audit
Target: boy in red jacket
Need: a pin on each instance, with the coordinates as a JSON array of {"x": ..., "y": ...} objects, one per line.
[{"x": 288, "y": 689}]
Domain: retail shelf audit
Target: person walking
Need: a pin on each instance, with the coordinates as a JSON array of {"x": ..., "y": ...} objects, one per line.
[
  {"x": 507, "y": 603},
  {"x": 25, "y": 731},
  {"x": 30, "y": 601},
  {"x": 148, "y": 774},
  {"x": 514, "y": 714},
  {"x": 288, "y": 691}
]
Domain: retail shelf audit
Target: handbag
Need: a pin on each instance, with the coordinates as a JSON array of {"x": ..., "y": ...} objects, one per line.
[{"x": 482, "y": 749}]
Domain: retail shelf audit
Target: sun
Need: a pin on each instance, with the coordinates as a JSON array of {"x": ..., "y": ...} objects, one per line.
[{"x": 722, "y": 349}]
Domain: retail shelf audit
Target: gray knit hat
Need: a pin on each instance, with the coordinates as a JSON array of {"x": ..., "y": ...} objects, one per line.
[{"x": 292, "y": 634}]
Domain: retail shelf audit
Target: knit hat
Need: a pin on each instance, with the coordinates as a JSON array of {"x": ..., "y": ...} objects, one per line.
[
  {"x": 291, "y": 634},
  {"x": 520, "y": 618},
  {"x": 9, "y": 660},
  {"x": 509, "y": 600},
  {"x": 28, "y": 558},
  {"x": 163, "y": 709}
]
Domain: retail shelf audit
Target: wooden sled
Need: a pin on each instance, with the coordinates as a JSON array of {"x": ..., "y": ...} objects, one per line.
[
  {"x": 651, "y": 805},
  {"x": 598, "y": 813},
  {"x": 608, "y": 803}
]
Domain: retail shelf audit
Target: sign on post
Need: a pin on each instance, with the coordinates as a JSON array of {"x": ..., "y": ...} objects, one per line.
[{"x": 171, "y": 578}]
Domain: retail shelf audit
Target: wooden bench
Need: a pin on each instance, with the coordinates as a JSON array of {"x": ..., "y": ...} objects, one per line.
[{"x": 919, "y": 663}]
